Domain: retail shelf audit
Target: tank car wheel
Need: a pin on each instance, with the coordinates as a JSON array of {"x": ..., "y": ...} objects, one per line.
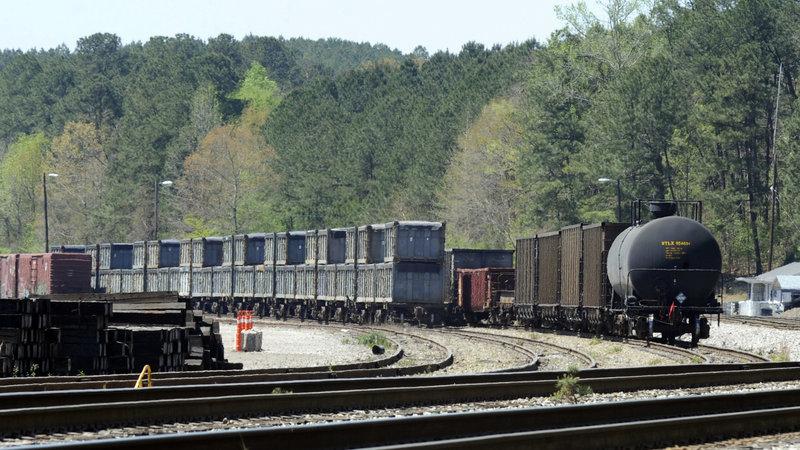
[
  {"x": 324, "y": 314},
  {"x": 695, "y": 339},
  {"x": 337, "y": 316}
]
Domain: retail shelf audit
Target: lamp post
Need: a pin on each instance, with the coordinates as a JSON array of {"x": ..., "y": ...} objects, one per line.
[
  {"x": 46, "y": 224},
  {"x": 619, "y": 195},
  {"x": 165, "y": 183}
]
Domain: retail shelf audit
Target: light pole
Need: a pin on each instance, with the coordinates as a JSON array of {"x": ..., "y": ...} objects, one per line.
[
  {"x": 46, "y": 224},
  {"x": 165, "y": 183},
  {"x": 619, "y": 195}
]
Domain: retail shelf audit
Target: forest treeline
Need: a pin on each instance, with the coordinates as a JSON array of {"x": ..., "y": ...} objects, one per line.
[{"x": 674, "y": 99}]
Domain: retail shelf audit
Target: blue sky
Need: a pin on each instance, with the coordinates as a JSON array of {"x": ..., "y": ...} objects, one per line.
[{"x": 401, "y": 24}]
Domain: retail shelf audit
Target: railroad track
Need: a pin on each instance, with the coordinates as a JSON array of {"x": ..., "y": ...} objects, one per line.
[
  {"x": 35, "y": 412},
  {"x": 383, "y": 367},
  {"x": 584, "y": 358},
  {"x": 728, "y": 355},
  {"x": 532, "y": 358},
  {"x": 779, "y": 323},
  {"x": 657, "y": 422}
]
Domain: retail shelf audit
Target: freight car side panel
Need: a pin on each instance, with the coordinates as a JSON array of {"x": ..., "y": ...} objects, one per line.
[
  {"x": 306, "y": 281},
  {"x": 264, "y": 281},
  {"x": 139, "y": 255},
  {"x": 244, "y": 279},
  {"x": 345, "y": 282},
  {"x": 526, "y": 255},
  {"x": 571, "y": 257},
  {"x": 326, "y": 281},
  {"x": 8, "y": 276},
  {"x": 221, "y": 281},
  {"x": 409, "y": 283},
  {"x": 597, "y": 239},
  {"x": 227, "y": 250},
  {"x": 312, "y": 246},
  {"x": 413, "y": 241},
  {"x": 53, "y": 273},
  {"x": 549, "y": 266},
  {"x": 367, "y": 282}
]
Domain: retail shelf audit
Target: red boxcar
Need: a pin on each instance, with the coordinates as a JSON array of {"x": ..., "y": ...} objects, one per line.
[
  {"x": 485, "y": 293},
  {"x": 8, "y": 276},
  {"x": 26, "y": 275}
]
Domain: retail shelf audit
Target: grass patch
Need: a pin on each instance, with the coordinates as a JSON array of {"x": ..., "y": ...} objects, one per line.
[
  {"x": 615, "y": 349},
  {"x": 279, "y": 390},
  {"x": 569, "y": 387},
  {"x": 696, "y": 359},
  {"x": 782, "y": 355},
  {"x": 655, "y": 362},
  {"x": 375, "y": 338},
  {"x": 595, "y": 341}
]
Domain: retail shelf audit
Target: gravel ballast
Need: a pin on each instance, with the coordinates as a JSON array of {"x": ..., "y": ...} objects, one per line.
[
  {"x": 778, "y": 345},
  {"x": 286, "y": 345},
  {"x": 300, "y": 419}
]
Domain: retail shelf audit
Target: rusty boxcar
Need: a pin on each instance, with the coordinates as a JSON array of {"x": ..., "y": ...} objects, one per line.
[
  {"x": 486, "y": 294},
  {"x": 25, "y": 275}
]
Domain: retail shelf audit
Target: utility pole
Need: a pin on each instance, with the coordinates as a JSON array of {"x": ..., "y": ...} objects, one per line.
[
  {"x": 774, "y": 188},
  {"x": 155, "y": 232},
  {"x": 46, "y": 225},
  {"x": 46, "y": 221},
  {"x": 157, "y": 192},
  {"x": 619, "y": 201}
]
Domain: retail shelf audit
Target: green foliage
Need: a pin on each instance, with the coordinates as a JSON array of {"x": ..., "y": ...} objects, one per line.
[
  {"x": 569, "y": 387},
  {"x": 20, "y": 191},
  {"x": 336, "y": 56},
  {"x": 677, "y": 101},
  {"x": 280, "y": 390},
  {"x": 375, "y": 338},
  {"x": 781, "y": 355},
  {"x": 349, "y": 149},
  {"x": 257, "y": 89}
]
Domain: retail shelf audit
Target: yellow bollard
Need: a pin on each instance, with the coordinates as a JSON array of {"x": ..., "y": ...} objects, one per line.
[{"x": 140, "y": 381}]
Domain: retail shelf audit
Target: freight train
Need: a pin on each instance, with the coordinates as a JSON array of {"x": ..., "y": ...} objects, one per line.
[
  {"x": 643, "y": 278},
  {"x": 656, "y": 276},
  {"x": 390, "y": 271}
]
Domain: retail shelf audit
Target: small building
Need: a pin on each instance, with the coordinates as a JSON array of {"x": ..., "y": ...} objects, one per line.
[
  {"x": 765, "y": 287},
  {"x": 787, "y": 289}
]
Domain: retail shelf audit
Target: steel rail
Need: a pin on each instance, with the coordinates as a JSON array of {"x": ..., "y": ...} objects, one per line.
[
  {"x": 600, "y": 425},
  {"x": 779, "y": 323},
  {"x": 741, "y": 354},
  {"x": 143, "y": 412},
  {"x": 586, "y": 358},
  {"x": 18, "y": 400},
  {"x": 532, "y": 357}
]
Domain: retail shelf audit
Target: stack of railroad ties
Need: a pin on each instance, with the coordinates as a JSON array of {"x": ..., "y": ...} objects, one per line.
[{"x": 50, "y": 324}]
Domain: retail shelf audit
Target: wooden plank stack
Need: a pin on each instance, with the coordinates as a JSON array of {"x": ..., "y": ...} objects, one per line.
[
  {"x": 101, "y": 333},
  {"x": 205, "y": 347},
  {"x": 83, "y": 334},
  {"x": 26, "y": 344}
]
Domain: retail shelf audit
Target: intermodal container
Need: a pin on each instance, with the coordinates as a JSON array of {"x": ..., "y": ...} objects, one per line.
[{"x": 413, "y": 241}]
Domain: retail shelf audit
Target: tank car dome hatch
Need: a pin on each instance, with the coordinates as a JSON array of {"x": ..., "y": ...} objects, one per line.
[
  {"x": 665, "y": 259},
  {"x": 662, "y": 209}
]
